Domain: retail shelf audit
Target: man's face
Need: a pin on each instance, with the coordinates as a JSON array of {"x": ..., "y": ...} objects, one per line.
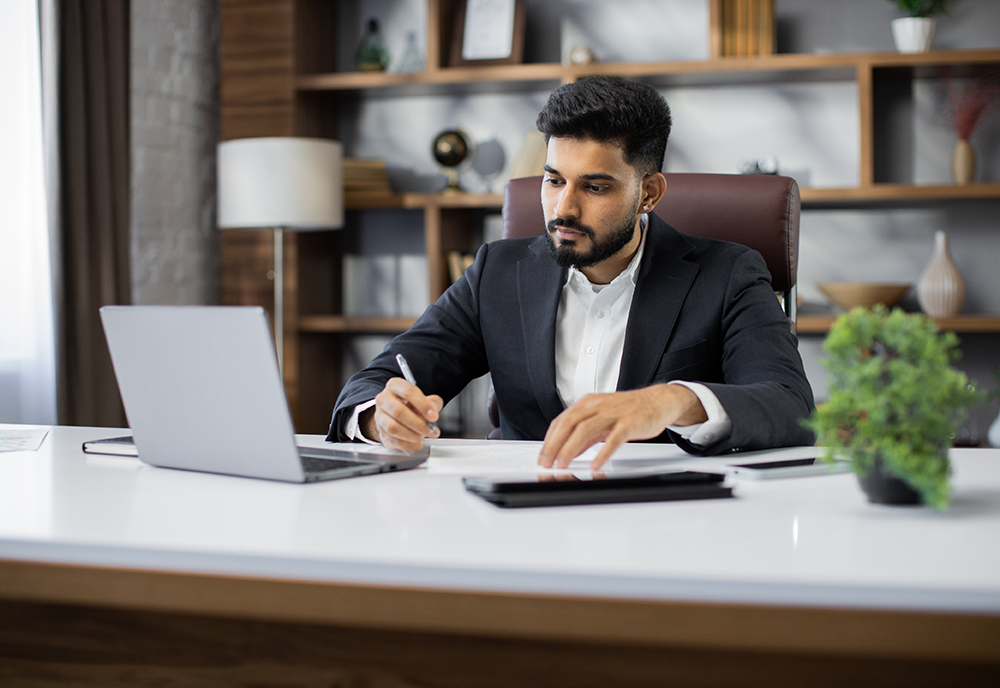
[{"x": 590, "y": 197}]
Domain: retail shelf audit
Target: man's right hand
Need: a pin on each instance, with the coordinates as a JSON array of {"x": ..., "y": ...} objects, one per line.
[{"x": 400, "y": 416}]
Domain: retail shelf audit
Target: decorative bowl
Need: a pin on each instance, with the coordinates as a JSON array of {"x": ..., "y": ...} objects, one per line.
[{"x": 850, "y": 295}]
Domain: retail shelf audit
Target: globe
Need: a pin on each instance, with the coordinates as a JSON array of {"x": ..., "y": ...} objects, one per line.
[{"x": 451, "y": 148}]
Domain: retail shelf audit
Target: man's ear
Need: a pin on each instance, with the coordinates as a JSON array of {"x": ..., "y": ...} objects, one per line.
[{"x": 653, "y": 187}]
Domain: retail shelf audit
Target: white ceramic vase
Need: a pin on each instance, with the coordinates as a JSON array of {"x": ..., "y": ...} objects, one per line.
[
  {"x": 913, "y": 34},
  {"x": 993, "y": 434},
  {"x": 941, "y": 289}
]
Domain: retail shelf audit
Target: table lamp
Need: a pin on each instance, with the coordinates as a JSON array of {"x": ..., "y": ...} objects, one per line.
[{"x": 280, "y": 183}]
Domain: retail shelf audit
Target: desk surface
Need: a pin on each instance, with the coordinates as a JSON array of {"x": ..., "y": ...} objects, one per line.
[{"x": 807, "y": 541}]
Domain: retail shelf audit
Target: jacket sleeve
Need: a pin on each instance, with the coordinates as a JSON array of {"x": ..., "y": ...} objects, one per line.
[
  {"x": 764, "y": 390},
  {"x": 444, "y": 348}
]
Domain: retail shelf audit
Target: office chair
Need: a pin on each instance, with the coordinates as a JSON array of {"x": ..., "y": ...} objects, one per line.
[{"x": 758, "y": 210}]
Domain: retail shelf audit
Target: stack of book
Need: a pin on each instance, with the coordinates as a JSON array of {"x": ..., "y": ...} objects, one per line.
[
  {"x": 747, "y": 27},
  {"x": 365, "y": 181}
]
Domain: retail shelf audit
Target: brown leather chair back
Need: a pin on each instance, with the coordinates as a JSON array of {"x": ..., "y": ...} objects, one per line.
[{"x": 757, "y": 210}]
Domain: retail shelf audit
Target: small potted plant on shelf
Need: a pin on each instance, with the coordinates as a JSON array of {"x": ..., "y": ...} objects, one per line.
[
  {"x": 894, "y": 406},
  {"x": 914, "y": 33}
]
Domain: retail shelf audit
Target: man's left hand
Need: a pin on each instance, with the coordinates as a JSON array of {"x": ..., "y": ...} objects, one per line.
[{"x": 617, "y": 418}]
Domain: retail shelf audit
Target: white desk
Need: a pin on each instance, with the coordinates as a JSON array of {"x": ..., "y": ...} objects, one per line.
[{"x": 789, "y": 569}]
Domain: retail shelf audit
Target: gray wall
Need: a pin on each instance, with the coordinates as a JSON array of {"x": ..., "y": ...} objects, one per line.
[{"x": 175, "y": 129}]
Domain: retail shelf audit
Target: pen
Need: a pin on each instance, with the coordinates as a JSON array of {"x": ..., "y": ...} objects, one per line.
[{"x": 408, "y": 376}]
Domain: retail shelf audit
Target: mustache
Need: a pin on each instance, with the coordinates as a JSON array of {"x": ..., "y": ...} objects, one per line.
[{"x": 569, "y": 223}]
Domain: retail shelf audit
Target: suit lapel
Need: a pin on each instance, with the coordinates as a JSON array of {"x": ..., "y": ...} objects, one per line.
[
  {"x": 663, "y": 284},
  {"x": 539, "y": 287}
]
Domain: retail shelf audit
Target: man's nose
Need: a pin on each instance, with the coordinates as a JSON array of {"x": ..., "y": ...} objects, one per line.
[{"x": 567, "y": 203}]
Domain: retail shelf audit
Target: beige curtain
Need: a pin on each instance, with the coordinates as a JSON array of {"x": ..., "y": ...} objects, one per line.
[{"x": 92, "y": 228}]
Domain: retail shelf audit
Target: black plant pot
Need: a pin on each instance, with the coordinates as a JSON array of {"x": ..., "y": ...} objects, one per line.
[{"x": 882, "y": 487}]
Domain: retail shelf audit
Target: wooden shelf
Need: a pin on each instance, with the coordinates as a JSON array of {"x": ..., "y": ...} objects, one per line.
[
  {"x": 357, "y": 201},
  {"x": 350, "y": 324},
  {"x": 897, "y": 193},
  {"x": 820, "y": 324},
  {"x": 732, "y": 70}
]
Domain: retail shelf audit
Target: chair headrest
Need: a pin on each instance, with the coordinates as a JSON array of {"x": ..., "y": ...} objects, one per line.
[{"x": 757, "y": 210}]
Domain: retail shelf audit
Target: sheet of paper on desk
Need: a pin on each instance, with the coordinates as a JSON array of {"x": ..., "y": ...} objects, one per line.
[
  {"x": 491, "y": 458},
  {"x": 21, "y": 439}
]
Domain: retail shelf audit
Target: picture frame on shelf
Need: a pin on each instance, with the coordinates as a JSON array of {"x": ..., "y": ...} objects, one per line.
[{"x": 488, "y": 32}]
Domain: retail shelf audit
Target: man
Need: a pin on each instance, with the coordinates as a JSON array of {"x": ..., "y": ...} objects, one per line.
[{"x": 612, "y": 326}]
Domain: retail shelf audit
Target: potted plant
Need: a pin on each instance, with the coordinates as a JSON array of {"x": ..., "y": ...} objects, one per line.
[
  {"x": 895, "y": 403},
  {"x": 914, "y": 33}
]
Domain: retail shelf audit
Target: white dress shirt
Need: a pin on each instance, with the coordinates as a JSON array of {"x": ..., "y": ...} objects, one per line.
[{"x": 590, "y": 338}]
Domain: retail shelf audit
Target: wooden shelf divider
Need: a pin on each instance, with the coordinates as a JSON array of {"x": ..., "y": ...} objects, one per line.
[{"x": 820, "y": 324}]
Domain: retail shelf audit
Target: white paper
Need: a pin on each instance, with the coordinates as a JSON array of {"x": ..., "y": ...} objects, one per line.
[
  {"x": 507, "y": 457},
  {"x": 22, "y": 439}
]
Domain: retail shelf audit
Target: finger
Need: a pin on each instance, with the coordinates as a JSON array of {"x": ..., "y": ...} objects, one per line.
[
  {"x": 424, "y": 409},
  {"x": 614, "y": 440},
  {"x": 586, "y": 434},
  {"x": 395, "y": 435},
  {"x": 394, "y": 416},
  {"x": 555, "y": 436}
]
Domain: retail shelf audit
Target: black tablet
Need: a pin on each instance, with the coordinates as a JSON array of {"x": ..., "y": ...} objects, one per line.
[{"x": 568, "y": 489}]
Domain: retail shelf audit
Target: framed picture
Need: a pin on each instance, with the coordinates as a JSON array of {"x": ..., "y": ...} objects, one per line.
[{"x": 488, "y": 32}]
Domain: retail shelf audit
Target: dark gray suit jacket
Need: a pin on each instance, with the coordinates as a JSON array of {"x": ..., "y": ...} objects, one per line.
[{"x": 703, "y": 311}]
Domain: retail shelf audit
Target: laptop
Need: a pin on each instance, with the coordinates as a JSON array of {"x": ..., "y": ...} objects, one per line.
[{"x": 202, "y": 392}]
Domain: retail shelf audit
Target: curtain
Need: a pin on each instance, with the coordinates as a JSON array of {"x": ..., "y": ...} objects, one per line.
[
  {"x": 27, "y": 359},
  {"x": 93, "y": 219}
]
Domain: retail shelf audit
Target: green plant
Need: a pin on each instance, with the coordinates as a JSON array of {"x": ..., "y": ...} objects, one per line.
[
  {"x": 893, "y": 396},
  {"x": 921, "y": 8}
]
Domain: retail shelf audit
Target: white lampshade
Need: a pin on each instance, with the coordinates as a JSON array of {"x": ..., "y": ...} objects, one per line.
[{"x": 281, "y": 182}]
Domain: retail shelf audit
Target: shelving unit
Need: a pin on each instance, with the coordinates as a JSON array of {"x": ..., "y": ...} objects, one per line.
[
  {"x": 820, "y": 324},
  {"x": 279, "y": 78}
]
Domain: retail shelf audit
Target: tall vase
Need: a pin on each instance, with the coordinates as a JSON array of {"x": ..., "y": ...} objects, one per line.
[
  {"x": 941, "y": 289},
  {"x": 963, "y": 163}
]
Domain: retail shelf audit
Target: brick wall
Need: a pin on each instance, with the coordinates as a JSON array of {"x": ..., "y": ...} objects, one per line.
[{"x": 175, "y": 129}]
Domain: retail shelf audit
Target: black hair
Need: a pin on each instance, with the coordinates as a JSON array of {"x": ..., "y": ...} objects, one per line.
[{"x": 608, "y": 109}]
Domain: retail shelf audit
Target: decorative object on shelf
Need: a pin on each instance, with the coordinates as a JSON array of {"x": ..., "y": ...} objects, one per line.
[
  {"x": 582, "y": 55},
  {"x": 747, "y": 28},
  {"x": 967, "y": 106},
  {"x": 895, "y": 403},
  {"x": 915, "y": 32},
  {"x": 280, "y": 183},
  {"x": 941, "y": 289},
  {"x": 366, "y": 181},
  {"x": 451, "y": 149},
  {"x": 489, "y": 161},
  {"x": 993, "y": 433},
  {"x": 850, "y": 295},
  {"x": 488, "y": 32},
  {"x": 412, "y": 59},
  {"x": 766, "y": 165},
  {"x": 372, "y": 54}
]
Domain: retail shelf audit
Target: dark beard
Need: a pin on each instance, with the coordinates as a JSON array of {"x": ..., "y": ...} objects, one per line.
[{"x": 566, "y": 256}]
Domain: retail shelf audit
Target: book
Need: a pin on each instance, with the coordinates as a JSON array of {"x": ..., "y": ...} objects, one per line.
[{"x": 116, "y": 446}]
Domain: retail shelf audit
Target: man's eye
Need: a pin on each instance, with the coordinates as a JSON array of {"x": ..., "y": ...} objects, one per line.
[
  {"x": 597, "y": 189},
  {"x": 553, "y": 181}
]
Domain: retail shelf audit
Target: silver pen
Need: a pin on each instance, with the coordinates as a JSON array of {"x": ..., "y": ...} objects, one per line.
[{"x": 408, "y": 376}]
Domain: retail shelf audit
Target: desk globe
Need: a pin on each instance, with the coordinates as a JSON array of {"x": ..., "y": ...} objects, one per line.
[{"x": 452, "y": 148}]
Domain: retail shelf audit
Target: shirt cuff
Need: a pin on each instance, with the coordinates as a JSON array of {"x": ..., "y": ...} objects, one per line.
[
  {"x": 352, "y": 428},
  {"x": 715, "y": 429}
]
